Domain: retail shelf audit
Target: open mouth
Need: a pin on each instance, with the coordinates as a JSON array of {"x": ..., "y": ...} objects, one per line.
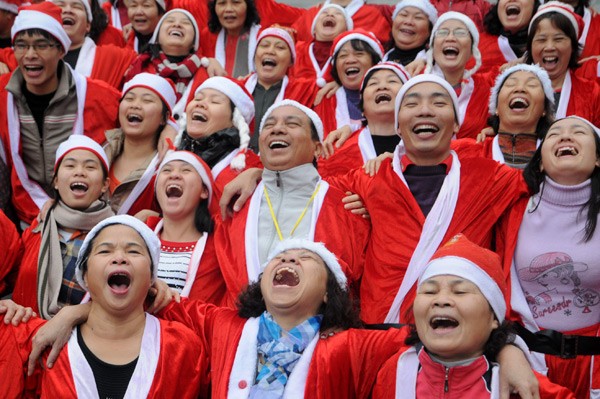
[
  {"x": 549, "y": 61},
  {"x": 518, "y": 103},
  {"x": 407, "y": 31},
  {"x": 275, "y": 145},
  {"x": 174, "y": 191},
  {"x": 383, "y": 97},
  {"x": 513, "y": 10},
  {"x": 329, "y": 23},
  {"x": 230, "y": 18},
  {"x": 68, "y": 21},
  {"x": 140, "y": 20},
  {"x": 269, "y": 62},
  {"x": 78, "y": 187},
  {"x": 443, "y": 322},
  {"x": 176, "y": 33},
  {"x": 134, "y": 118},
  {"x": 352, "y": 71},
  {"x": 451, "y": 51},
  {"x": 197, "y": 116},
  {"x": 425, "y": 128},
  {"x": 33, "y": 68},
  {"x": 566, "y": 151},
  {"x": 119, "y": 281},
  {"x": 286, "y": 276}
]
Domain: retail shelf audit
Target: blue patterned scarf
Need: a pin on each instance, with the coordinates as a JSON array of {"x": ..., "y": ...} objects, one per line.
[{"x": 278, "y": 354}]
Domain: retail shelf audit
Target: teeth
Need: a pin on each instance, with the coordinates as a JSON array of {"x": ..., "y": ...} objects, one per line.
[
  {"x": 352, "y": 71},
  {"x": 519, "y": 103},
  {"x": 197, "y": 116},
  {"x": 383, "y": 97},
  {"x": 176, "y": 33},
  {"x": 566, "y": 151},
  {"x": 550, "y": 59},
  {"x": 134, "y": 118},
  {"x": 287, "y": 276},
  {"x": 79, "y": 186},
  {"x": 174, "y": 190},
  {"x": 425, "y": 128},
  {"x": 278, "y": 144},
  {"x": 407, "y": 31},
  {"x": 450, "y": 50},
  {"x": 269, "y": 62}
]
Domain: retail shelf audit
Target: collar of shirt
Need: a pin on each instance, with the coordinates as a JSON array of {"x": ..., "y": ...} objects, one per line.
[{"x": 405, "y": 162}]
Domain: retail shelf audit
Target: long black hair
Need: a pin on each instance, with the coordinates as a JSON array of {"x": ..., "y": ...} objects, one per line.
[
  {"x": 535, "y": 177},
  {"x": 99, "y": 20},
  {"x": 252, "y": 17},
  {"x": 340, "y": 311}
]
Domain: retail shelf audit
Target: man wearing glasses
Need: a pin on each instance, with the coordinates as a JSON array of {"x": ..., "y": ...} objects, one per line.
[{"x": 42, "y": 103}]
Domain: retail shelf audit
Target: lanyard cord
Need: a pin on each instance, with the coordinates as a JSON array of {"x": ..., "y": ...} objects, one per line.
[{"x": 312, "y": 197}]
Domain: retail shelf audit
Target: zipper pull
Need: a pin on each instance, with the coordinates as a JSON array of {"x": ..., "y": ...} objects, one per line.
[
  {"x": 278, "y": 179},
  {"x": 446, "y": 380}
]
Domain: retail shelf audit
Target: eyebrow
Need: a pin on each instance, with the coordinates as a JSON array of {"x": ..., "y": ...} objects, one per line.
[
  {"x": 88, "y": 160},
  {"x": 435, "y": 94}
]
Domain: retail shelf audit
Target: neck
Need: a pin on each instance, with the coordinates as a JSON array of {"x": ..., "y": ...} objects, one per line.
[
  {"x": 267, "y": 84},
  {"x": 422, "y": 161},
  {"x": 175, "y": 51},
  {"x": 234, "y": 32},
  {"x": 381, "y": 126},
  {"x": 180, "y": 230},
  {"x": 557, "y": 82},
  {"x": 509, "y": 128},
  {"x": 291, "y": 319},
  {"x": 454, "y": 77},
  {"x": 114, "y": 326},
  {"x": 137, "y": 148},
  {"x": 76, "y": 44}
]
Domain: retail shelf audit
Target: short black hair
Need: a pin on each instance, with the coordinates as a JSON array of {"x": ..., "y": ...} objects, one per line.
[
  {"x": 44, "y": 33},
  {"x": 340, "y": 311},
  {"x": 252, "y": 16},
  {"x": 492, "y": 24},
  {"x": 357, "y": 45},
  {"x": 561, "y": 22}
]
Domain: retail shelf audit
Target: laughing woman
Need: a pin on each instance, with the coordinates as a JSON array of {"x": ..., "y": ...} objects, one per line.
[
  {"x": 188, "y": 263},
  {"x": 143, "y": 112},
  {"x": 46, "y": 278},
  {"x": 552, "y": 44}
]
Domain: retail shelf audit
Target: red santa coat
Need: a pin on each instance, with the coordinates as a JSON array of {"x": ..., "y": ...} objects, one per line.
[
  {"x": 355, "y": 152},
  {"x": 12, "y": 249},
  {"x": 306, "y": 65},
  {"x": 487, "y": 189},
  {"x": 111, "y": 35},
  {"x": 343, "y": 233},
  {"x": 100, "y": 109},
  {"x": 473, "y": 105},
  {"x": 223, "y": 173},
  {"x": 164, "y": 344},
  {"x": 301, "y": 90},
  {"x": 341, "y": 366},
  {"x": 579, "y": 97},
  {"x": 495, "y": 52},
  {"x": 398, "y": 378},
  {"x": 591, "y": 33},
  {"x": 334, "y": 113},
  {"x": 365, "y": 16}
]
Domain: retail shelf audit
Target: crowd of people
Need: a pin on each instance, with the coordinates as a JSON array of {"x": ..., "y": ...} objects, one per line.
[{"x": 246, "y": 199}]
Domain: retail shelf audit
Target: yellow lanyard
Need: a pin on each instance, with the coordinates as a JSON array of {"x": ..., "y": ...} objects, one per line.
[{"x": 312, "y": 197}]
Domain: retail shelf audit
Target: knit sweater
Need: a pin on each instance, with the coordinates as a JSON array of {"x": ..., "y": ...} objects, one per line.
[{"x": 558, "y": 272}]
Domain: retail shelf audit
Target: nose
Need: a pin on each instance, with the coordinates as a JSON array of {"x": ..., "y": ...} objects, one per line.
[
  {"x": 119, "y": 258},
  {"x": 442, "y": 299},
  {"x": 425, "y": 109},
  {"x": 289, "y": 258}
]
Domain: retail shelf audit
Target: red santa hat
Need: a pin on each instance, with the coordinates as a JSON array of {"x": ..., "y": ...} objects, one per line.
[
  {"x": 279, "y": 33},
  {"x": 312, "y": 115},
  {"x": 474, "y": 40},
  {"x": 348, "y": 18},
  {"x": 162, "y": 87},
  {"x": 461, "y": 257},
  {"x": 427, "y": 77},
  {"x": 150, "y": 239},
  {"x": 358, "y": 34},
  {"x": 45, "y": 16},
  {"x": 564, "y": 9},
  {"x": 196, "y": 162},
  {"x": 87, "y": 6},
  {"x": 154, "y": 38},
  {"x": 11, "y": 6},
  {"x": 80, "y": 142},
  {"x": 398, "y": 69},
  {"x": 318, "y": 248},
  {"x": 540, "y": 73},
  {"x": 423, "y": 5}
]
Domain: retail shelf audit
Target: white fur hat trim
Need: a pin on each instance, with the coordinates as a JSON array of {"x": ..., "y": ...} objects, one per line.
[{"x": 309, "y": 112}]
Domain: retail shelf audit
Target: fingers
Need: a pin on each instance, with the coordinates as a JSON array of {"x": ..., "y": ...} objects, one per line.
[
  {"x": 244, "y": 196},
  {"x": 9, "y": 313},
  {"x": 4, "y": 69}
]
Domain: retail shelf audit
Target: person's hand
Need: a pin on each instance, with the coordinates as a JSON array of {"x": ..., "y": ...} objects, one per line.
[
  {"x": 15, "y": 313},
  {"x": 127, "y": 30},
  {"x": 44, "y": 211},
  {"x": 516, "y": 375},
  {"x": 4, "y": 68},
  {"x": 416, "y": 66},
  {"x": 336, "y": 139},
  {"x": 55, "y": 333},
  {"x": 326, "y": 92},
  {"x": 167, "y": 136},
  {"x": 353, "y": 203},
  {"x": 144, "y": 214},
  {"x": 160, "y": 295},
  {"x": 485, "y": 133},
  {"x": 371, "y": 167},
  {"x": 215, "y": 68},
  {"x": 238, "y": 191}
]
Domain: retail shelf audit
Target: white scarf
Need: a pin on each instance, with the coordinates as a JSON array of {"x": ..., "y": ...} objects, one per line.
[
  {"x": 318, "y": 70},
  {"x": 505, "y": 49},
  {"x": 253, "y": 80},
  {"x": 139, "y": 187},
  {"x": 223, "y": 163},
  {"x": 434, "y": 229},
  {"x": 115, "y": 17},
  {"x": 365, "y": 144},
  {"x": 220, "y": 46},
  {"x": 565, "y": 96},
  {"x": 87, "y": 55}
]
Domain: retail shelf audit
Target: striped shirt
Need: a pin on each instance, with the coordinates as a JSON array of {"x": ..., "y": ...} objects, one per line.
[{"x": 174, "y": 263}]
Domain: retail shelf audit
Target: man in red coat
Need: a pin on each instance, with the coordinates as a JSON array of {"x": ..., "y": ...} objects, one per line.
[
  {"x": 291, "y": 201},
  {"x": 42, "y": 103}
]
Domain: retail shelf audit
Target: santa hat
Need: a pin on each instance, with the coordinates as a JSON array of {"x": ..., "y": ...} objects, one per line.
[
  {"x": 162, "y": 87},
  {"x": 474, "y": 40},
  {"x": 398, "y": 69},
  {"x": 348, "y": 18},
  {"x": 564, "y": 9},
  {"x": 312, "y": 115},
  {"x": 149, "y": 237},
  {"x": 87, "y": 6},
  {"x": 590, "y": 124},
  {"x": 45, "y": 16},
  {"x": 318, "y": 248},
  {"x": 358, "y": 34},
  {"x": 11, "y": 6},
  {"x": 196, "y": 162},
  {"x": 80, "y": 142},
  {"x": 540, "y": 73},
  {"x": 427, "y": 77},
  {"x": 279, "y": 33},
  {"x": 461, "y": 257},
  {"x": 423, "y": 5},
  {"x": 154, "y": 38}
]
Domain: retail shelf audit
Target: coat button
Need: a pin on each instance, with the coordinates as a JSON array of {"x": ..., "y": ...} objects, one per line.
[{"x": 242, "y": 384}]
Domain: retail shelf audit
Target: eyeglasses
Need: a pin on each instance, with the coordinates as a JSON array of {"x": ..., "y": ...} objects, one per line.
[
  {"x": 458, "y": 32},
  {"x": 38, "y": 47}
]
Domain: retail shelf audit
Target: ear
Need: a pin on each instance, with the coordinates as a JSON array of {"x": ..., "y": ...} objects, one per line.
[
  {"x": 88, "y": 27},
  {"x": 204, "y": 192},
  {"x": 495, "y": 323},
  {"x": 324, "y": 298},
  {"x": 456, "y": 128},
  {"x": 55, "y": 183},
  {"x": 105, "y": 185},
  {"x": 318, "y": 149}
]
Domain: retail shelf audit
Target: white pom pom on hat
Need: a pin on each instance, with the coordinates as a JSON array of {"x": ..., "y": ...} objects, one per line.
[{"x": 312, "y": 115}]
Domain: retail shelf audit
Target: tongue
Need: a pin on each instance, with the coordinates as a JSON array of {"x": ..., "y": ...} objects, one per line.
[
  {"x": 287, "y": 278},
  {"x": 119, "y": 288}
]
